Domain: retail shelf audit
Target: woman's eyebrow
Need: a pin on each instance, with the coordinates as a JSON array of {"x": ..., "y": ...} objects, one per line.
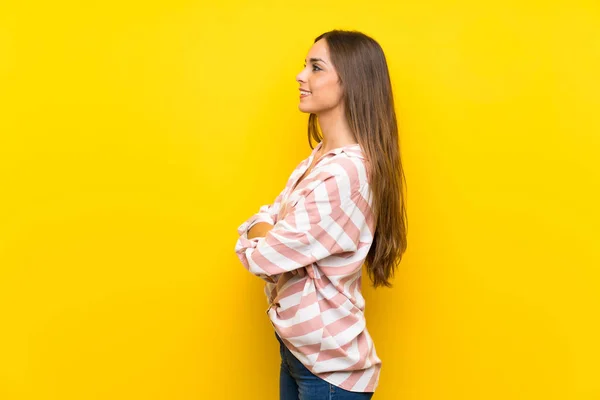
[{"x": 316, "y": 59}]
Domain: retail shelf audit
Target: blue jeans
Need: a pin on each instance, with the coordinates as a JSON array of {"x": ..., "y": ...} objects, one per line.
[{"x": 296, "y": 382}]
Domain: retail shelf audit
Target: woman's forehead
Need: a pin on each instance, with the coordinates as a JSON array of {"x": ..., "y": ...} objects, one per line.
[{"x": 318, "y": 50}]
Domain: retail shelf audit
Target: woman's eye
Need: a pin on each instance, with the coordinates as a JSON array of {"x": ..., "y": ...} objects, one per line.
[{"x": 314, "y": 66}]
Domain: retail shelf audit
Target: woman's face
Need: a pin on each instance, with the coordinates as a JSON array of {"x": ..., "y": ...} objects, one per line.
[{"x": 320, "y": 79}]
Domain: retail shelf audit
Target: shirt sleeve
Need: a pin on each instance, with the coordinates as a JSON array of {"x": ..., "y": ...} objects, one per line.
[
  {"x": 266, "y": 213},
  {"x": 325, "y": 221}
]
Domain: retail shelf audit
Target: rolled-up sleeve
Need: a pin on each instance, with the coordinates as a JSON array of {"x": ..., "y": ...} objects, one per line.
[
  {"x": 266, "y": 213},
  {"x": 325, "y": 221}
]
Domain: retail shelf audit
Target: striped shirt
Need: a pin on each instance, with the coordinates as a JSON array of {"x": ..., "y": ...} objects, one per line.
[{"x": 312, "y": 262}]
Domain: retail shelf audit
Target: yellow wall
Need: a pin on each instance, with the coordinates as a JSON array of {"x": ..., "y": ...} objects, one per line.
[{"x": 137, "y": 136}]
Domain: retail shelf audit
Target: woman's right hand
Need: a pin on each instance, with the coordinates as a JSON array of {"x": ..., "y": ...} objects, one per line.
[{"x": 259, "y": 230}]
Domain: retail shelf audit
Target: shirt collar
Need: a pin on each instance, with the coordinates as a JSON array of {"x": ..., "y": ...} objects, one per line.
[{"x": 353, "y": 150}]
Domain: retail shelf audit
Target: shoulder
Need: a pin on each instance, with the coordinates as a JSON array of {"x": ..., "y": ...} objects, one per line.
[
  {"x": 345, "y": 169},
  {"x": 340, "y": 178}
]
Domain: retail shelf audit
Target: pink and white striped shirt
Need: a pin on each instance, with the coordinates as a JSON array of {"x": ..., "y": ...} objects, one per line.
[{"x": 312, "y": 262}]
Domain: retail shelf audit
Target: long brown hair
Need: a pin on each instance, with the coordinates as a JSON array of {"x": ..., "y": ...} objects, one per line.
[{"x": 369, "y": 110}]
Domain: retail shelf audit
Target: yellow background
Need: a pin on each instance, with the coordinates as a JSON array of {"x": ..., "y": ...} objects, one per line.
[{"x": 136, "y": 136}]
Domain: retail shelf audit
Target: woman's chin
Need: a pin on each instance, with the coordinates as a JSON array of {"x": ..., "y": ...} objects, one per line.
[{"x": 303, "y": 108}]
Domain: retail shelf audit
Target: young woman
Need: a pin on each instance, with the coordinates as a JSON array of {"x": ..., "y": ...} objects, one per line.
[{"x": 342, "y": 207}]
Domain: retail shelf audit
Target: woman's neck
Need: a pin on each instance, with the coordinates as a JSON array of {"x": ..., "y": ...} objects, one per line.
[{"x": 336, "y": 132}]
